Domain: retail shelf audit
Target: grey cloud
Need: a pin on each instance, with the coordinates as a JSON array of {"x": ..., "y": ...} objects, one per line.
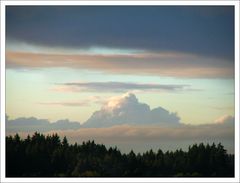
[
  {"x": 142, "y": 137},
  {"x": 120, "y": 87},
  {"x": 138, "y": 137},
  {"x": 33, "y": 124},
  {"x": 204, "y": 30},
  {"x": 65, "y": 125}
]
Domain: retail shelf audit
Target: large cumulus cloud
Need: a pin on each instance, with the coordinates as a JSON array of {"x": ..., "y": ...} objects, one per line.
[
  {"x": 129, "y": 124},
  {"x": 126, "y": 109},
  {"x": 119, "y": 110}
]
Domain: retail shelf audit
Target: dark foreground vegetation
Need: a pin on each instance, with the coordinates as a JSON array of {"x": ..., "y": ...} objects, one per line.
[{"x": 48, "y": 156}]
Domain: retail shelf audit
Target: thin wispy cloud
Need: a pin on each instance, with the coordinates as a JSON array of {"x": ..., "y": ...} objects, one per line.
[
  {"x": 222, "y": 108},
  {"x": 71, "y": 104},
  {"x": 119, "y": 87},
  {"x": 76, "y": 103}
]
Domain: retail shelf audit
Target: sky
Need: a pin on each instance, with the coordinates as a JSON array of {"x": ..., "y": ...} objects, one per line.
[{"x": 96, "y": 69}]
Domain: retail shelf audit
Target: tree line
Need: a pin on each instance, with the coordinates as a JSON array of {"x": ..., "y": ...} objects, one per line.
[{"x": 49, "y": 156}]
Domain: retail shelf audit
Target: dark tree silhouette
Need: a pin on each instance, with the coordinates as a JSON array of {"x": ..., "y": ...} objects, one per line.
[{"x": 48, "y": 156}]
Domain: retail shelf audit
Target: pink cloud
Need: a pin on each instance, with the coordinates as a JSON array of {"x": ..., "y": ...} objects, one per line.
[
  {"x": 225, "y": 119},
  {"x": 147, "y": 63}
]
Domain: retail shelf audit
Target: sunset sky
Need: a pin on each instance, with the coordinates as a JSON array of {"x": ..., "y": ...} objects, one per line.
[{"x": 136, "y": 67}]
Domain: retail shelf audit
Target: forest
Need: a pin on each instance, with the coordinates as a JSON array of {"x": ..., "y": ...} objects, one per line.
[{"x": 49, "y": 156}]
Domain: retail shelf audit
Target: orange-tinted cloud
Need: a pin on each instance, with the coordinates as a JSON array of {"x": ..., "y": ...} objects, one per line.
[
  {"x": 225, "y": 119},
  {"x": 147, "y": 63}
]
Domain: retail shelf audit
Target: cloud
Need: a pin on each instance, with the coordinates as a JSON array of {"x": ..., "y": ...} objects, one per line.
[
  {"x": 126, "y": 109},
  {"x": 155, "y": 132},
  {"x": 33, "y": 124},
  {"x": 70, "y": 104},
  {"x": 202, "y": 30},
  {"x": 173, "y": 64},
  {"x": 141, "y": 137},
  {"x": 86, "y": 102},
  {"x": 225, "y": 119},
  {"x": 117, "y": 87}
]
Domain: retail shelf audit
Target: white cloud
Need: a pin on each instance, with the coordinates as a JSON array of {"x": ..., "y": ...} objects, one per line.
[{"x": 126, "y": 109}]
